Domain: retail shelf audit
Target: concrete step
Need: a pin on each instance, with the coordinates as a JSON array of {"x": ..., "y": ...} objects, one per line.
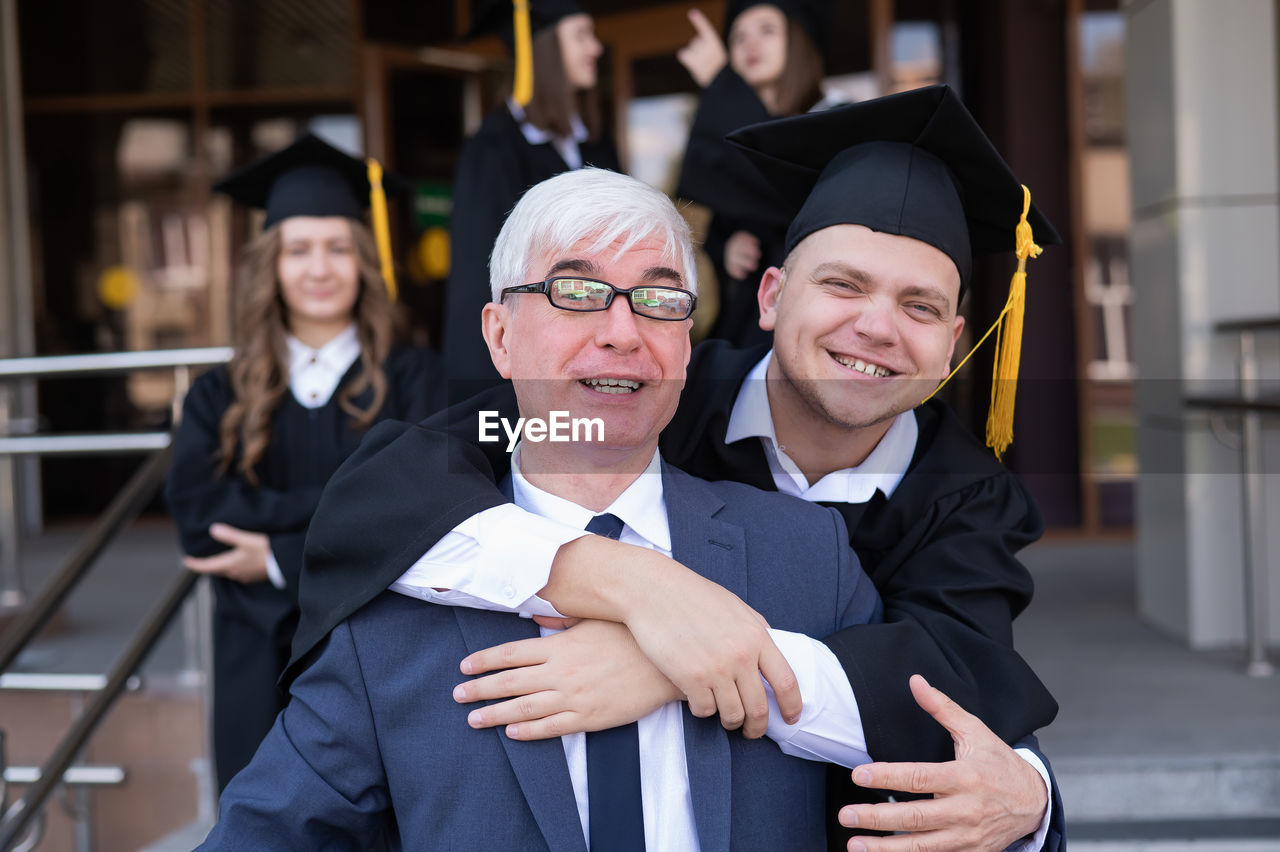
[
  {"x": 1211, "y": 845},
  {"x": 1231, "y": 835},
  {"x": 1169, "y": 787}
]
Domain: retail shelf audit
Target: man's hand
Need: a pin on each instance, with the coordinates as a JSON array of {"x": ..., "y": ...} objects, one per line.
[
  {"x": 706, "y": 641},
  {"x": 715, "y": 649},
  {"x": 741, "y": 254},
  {"x": 588, "y": 678},
  {"x": 985, "y": 799},
  {"x": 704, "y": 55},
  {"x": 245, "y": 562}
]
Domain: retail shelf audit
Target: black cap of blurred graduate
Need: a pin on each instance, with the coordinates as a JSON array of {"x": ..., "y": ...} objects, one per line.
[
  {"x": 812, "y": 16},
  {"x": 915, "y": 164},
  {"x": 517, "y": 22},
  {"x": 498, "y": 17},
  {"x": 308, "y": 178}
]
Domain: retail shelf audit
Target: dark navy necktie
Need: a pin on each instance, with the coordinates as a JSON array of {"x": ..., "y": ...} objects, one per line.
[{"x": 616, "y": 815}]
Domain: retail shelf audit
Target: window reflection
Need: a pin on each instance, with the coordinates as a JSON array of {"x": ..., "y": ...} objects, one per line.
[{"x": 1108, "y": 297}]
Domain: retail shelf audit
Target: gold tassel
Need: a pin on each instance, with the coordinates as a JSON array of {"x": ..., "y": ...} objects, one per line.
[
  {"x": 1004, "y": 375},
  {"x": 522, "y": 87},
  {"x": 1004, "y": 369},
  {"x": 381, "y": 225}
]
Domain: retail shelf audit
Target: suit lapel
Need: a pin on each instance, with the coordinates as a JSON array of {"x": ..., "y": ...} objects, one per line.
[
  {"x": 699, "y": 540},
  {"x": 717, "y": 551},
  {"x": 539, "y": 766}
]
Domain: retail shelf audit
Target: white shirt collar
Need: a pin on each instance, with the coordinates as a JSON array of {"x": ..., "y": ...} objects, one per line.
[
  {"x": 338, "y": 354},
  {"x": 882, "y": 470},
  {"x": 641, "y": 507},
  {"x": 566, "y": 146},
  {"x": 314, "y": 374}
]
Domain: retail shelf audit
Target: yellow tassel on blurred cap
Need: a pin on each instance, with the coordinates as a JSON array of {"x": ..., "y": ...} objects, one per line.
[
  {"x": 1004, "y": 371},
  {"x": 381, "y": 226},
  {"x": 522, "y": 87}
]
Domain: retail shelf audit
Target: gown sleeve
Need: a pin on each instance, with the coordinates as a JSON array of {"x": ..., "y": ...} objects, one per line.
[
  {"x": 197, "y": 496},
  {"x": 715, "y": 173},
  {"x": 485, "y": 189},
  {"x": 415, "y": 383},
  {"x": 287, "y": 548}
]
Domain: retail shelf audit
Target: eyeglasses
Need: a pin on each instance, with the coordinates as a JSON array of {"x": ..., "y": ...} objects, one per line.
[{"x": 586, "y": 294}]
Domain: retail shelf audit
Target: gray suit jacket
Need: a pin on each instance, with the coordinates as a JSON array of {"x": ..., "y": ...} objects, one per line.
[{"x": 372, "y": 739}]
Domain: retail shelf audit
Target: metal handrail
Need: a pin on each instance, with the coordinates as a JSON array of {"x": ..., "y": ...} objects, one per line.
[
  {"x": 41, "y": 682},
  {"x": 87, "y": 776},
  {"x": 14, "y": 370},
  {"x": 49, "y": 366},
  {"x": 98, "y": 444},
  {"x": 126, "y": 505},
  {"x": 1252, "y": 407},
  {"x": 18, "y": 817}
]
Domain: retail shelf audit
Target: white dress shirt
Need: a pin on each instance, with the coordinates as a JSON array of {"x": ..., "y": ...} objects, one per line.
[
  {"x": 500, "y": 558},
  {"x": 314, "y": 376}
]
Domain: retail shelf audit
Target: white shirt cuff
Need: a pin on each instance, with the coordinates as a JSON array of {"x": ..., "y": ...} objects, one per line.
[
  {"x": 274, "y": 574},
  {"x": 497, "y": 560},
  {"x": 1036, "y": 841},
  {"x": 830, "y": 726}
]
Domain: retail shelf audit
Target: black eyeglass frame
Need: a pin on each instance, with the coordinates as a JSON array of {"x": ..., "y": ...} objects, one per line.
[{"x": 544, "y": 287}]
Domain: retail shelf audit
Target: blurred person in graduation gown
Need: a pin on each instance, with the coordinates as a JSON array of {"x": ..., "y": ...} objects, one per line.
[
  {"x": 771, "y": 68},
  {"x": 315, "y": 365},
  {"x": 556, "y": 128}
]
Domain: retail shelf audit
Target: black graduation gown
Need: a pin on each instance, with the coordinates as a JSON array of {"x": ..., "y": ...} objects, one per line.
[
  {"x": 719, "y": 176},
  {"x": 253, "y": 623},
  {"x": 941, "y": 551},
  {"x": 497, "y": 165}
]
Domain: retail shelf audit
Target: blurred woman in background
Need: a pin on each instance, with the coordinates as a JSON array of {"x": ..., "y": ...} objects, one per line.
[
  {"x": 771, "y": 68},
  {"x": 315, "y": 365}
]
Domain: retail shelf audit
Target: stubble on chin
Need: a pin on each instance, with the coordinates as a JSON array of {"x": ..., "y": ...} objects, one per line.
[{"x": 821, "y": 398}]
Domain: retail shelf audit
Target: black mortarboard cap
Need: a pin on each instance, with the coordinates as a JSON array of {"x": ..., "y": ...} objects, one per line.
[
  {"x": 812, "y": 16},
  {"x": 308, "y": 178},
  {"x": 494, "y": 18},
  {"x": 914, "y": 163}
]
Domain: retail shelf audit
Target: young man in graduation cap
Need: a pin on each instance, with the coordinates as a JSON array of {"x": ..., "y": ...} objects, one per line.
[{"x": 890, "y": 200}]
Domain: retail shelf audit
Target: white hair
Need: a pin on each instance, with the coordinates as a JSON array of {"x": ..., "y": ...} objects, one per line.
[{"x": 588, "y": 204}]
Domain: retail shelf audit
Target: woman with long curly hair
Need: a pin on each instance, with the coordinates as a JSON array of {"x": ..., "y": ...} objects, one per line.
[
  {"x": 315, "y": 365},
  {"x": 556, "y": 130},
  {"x": 772, "y": 67}
]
